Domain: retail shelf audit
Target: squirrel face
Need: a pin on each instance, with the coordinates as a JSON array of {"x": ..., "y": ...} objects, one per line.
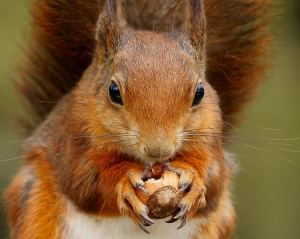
[{"x": 150, "y": 96}]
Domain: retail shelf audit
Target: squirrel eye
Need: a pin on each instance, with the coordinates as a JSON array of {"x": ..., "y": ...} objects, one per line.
[
  {"x": 114, "y": 93},
  {"x": 198, "y": 95}
]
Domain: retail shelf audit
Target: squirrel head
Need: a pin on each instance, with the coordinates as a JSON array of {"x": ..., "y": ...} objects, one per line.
[{"x": 147, "y": 90}]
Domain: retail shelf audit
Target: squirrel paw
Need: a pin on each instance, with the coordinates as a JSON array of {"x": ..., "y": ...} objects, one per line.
[
  {"x": 127, "y": 201},
  {"x": 194, "y": 199}
]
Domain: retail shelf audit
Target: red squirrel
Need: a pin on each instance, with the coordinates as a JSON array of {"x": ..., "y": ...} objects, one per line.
[{"x": 117, "y": 86}]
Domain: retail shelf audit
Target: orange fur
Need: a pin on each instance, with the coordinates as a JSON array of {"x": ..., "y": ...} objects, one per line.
[
  {"x": 93, "y": 151},
  {"x": 42, "y": 211}
]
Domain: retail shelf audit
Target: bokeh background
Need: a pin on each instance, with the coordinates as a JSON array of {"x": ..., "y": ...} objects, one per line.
[{"x": 266, "y": 189}]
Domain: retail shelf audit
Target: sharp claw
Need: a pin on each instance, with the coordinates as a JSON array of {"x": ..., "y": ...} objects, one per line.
[
  {"x": 183, "y": 222},
  {"x": 143, "y": 228},
  {"x": 183, "y": 188},
  {"x": 147, "y": 219},
  {"x": 141, "y": 186},
  {"x": 182, "y": 212},
  {"x": 172, "y": 220},
  {"x": 147, "y": 224}
]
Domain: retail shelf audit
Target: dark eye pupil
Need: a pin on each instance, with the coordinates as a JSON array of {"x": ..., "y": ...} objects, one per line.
[
  {"x": 198, "y": 95},
  {"x": 114, "y": 93}
]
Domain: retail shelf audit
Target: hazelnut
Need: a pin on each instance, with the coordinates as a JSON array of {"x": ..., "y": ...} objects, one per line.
[{"x": 163, "y": 198}]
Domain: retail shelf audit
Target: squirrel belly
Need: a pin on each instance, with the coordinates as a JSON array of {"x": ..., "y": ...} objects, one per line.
[
  {"x": 79, "y": 225},
  {"x": 135, "y": 83}
]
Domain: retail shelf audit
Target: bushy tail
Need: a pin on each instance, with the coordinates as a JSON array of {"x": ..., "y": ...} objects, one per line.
[
  {"x": 238, "y": 44},
  {"x": 62, "y": 40},
  {"x": 60, "y": 47}
]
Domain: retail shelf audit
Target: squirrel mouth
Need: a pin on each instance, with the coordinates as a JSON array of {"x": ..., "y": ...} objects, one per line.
[{"x": 156, "y": 170}]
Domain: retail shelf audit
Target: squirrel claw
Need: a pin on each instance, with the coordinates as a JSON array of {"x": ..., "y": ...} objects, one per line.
[
  {"x": 184, "y": 187},
  {"x": 184, "y": 219},
  {"x": 141, "y": 186},
  {"x": 182, "y": 212},
  {"x": 172, "y": 220},
  {"x": 147, "y": 219},
  {"x": 146, "y": 224},
  {"x": 143, "y": 228}
]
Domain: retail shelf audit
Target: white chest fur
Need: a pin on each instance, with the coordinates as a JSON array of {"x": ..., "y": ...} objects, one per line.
[{"x": 81, "y": 226}]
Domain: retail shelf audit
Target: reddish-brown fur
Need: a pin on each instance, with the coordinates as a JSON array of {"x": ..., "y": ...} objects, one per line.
[
  {"x": 39, "y": 214},
  {"x": 237, "y": 39},
  {"x": 92, "y": 151}
]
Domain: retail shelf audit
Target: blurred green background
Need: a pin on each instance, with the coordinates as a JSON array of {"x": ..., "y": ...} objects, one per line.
[{"x": 267, "y": 187}]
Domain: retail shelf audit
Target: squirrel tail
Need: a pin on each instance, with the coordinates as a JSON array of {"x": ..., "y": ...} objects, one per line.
[
  {"x": 60, "y": 47},
  {"x": 62, "y": 41},
  {"x": 238, "y": 44}
]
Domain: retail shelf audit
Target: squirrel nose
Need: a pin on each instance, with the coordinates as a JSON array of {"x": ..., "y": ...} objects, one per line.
[{"x": 158, "y": 151}]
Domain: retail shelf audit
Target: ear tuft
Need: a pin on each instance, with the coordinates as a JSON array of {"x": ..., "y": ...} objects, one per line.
[
  {"x": 194, "y": 27},
  {"x": 198, "y": 23},
  {"x": 110, "y": 26}
]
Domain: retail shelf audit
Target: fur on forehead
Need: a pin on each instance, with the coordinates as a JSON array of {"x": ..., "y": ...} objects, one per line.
[{"x": 162, "y": 57}]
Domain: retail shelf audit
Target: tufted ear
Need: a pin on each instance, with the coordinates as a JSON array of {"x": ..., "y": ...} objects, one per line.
[
  {"x": 194, "y": 27},
  {"x": 110, "y": 27}
]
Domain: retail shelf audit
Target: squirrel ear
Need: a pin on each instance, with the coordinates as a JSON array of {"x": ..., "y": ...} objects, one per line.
[
  {"x": 110, "y": 26},
  {"x": 195, "y": 27}
]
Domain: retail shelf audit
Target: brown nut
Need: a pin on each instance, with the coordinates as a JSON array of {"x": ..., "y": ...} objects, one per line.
[
  {"x": 163, "y": 198},
  {"x": 163, "y": 202}
]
